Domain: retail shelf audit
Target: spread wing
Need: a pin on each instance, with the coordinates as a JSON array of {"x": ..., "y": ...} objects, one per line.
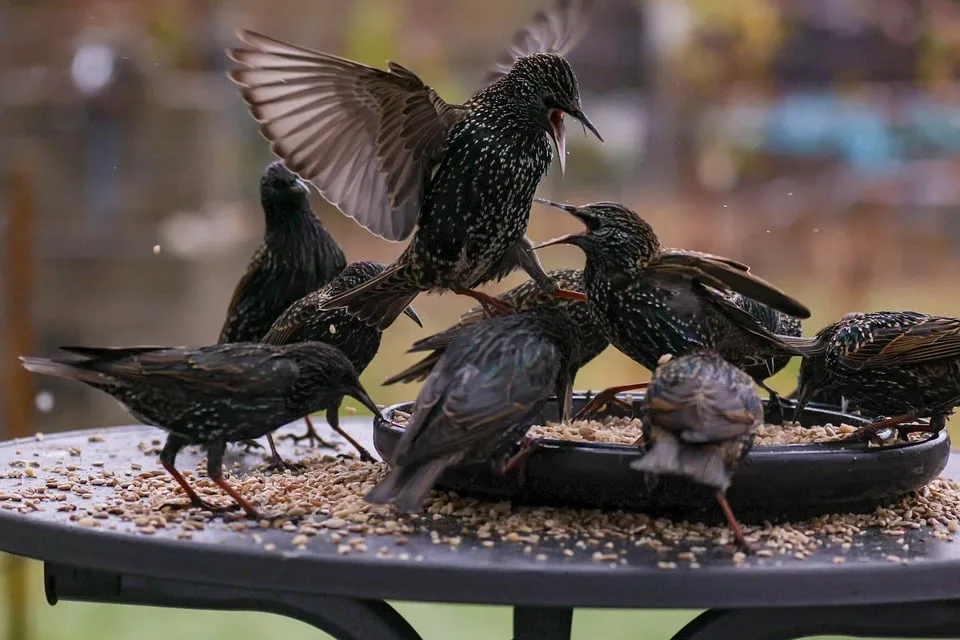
[
  {"x": 730, "y": 275},
  {"x": 366, "y": 138},
  {"x": 935, "y": 338},
  {"x": 554, "y": 30}
]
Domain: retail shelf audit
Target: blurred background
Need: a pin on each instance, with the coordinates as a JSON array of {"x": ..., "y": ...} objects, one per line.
[{"x": 817, "y": 140}]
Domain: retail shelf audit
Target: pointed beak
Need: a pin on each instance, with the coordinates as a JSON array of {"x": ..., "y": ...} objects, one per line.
[
  {"x": 585, "y": 121},
  {"x": 806, "y": 392},
  {"x": 411, "y": 313},
  {"x": 364, "y": 398},
  {"x": 558, "y": 133},
  {"x": 570, "y": 238}
]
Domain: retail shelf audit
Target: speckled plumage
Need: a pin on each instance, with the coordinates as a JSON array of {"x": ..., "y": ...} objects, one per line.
[
  {"x": 526, "y": 297},
  {"x": 212, "y": 395},
  {"x": 760, "y": 368},
  {"x": 297, "y": 256},
  {"x": 651, "y": 301},
  {"x": 480, "y": 398},
  {"x": 699, "y": 417},
  {"x": 464, "y": 174},
  {"x": 888, "y": 363}
]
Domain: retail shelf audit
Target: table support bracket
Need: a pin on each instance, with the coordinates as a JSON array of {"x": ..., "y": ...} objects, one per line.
[
  {"x": 939, "y": 619},
  {"x": 342, "y": 618},
  {"x": 542, "y": 623}
]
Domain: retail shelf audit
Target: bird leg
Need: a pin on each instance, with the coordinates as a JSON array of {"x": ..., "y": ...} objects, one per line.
[
  {"x": 518, "y": 461},
  {"x": 776, "y": 405},
  {"x": 311, "y": 435},
  {"x": 745, "y": 546},
  {"x": 864, "y": 434},
  {"x": 277, "y": 463},
  {"x": 333, "y": 418},
  {"x": 492, "y": 306},
  {"x": 609, "y": 396},
  {"x": 215, "y": 473},
  {"x": 168, "y": 456},
  {"x": 567, "y": 294},
  {"x": 250, "y": 445}
]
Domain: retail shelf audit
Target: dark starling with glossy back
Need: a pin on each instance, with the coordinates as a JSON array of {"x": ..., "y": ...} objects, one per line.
[
  {"x": 480, "y": 399},
  {"x": 305, "y": 321},
  {"x": 699, "y": 417},
  {"x": 527, "y": 297},
  {"x": 651, "y": 301},
  {"x": 901, "y": 364},
  {"x": 389, "y": 152},
  {"x": 213, "y": 395}
]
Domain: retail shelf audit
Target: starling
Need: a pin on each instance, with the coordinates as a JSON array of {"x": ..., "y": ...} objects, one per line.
[
  {"x": 304, "y": 321},
  {"x": 651, "y": 301},
  {"x": 213, "y": 395},
  {"x": 699, "y": 417},
  {"x": 482, "y": 396},
  {"x": 888, "y": 363},
  {"x": 389, "y": 152},
  {"x": 297, "y": 256},
  {"x": 527, "y": 297}
]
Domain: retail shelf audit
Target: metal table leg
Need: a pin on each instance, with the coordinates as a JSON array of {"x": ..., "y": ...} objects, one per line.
[
  {"x": 909, "y": 620},
  {"x": 542, "y": 623},
  {"x": 343, "y": 618}
]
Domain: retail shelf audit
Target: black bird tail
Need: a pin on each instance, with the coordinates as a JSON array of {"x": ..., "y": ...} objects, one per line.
[
  {"x": 380, "y": 300},
  {"x": 407, "y": 487},
  {"x": 61, "y": 368}
]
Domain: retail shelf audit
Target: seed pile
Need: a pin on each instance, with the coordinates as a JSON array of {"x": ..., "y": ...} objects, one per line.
[
  {"x": 327, "y": 499},
  {"x": 622, "y": 430}
]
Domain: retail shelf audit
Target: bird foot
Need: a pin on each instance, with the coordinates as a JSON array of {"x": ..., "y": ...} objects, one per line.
[
  {"x": 567, "y": 294},
  {"x": 493, "y": 307},
  {"x": 360, "y": 454},
  {"x": 869, "y": 432},
  {"x": 518, "y": 461},
  {"x": 250, "y": 445},
  {"x": 279, "y": 465},
  {"x": 313, "y": 438},
  {"x": 608, "y": 396},
  {"x": 199, "y": 503}
]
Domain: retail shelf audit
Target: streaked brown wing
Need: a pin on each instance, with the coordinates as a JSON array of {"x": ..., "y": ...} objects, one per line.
[
  {"x": 936, "y": 338},
  {"x": 554, "y": 30},
  {"x": 366, "y": 138},
  {"x": 710, "y": 256},
  {"x": 729, "y": 275}
]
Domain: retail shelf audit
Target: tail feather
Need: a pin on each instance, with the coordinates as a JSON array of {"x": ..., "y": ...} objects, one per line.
[
  {"x": 416, "y": 372},
  {"x": 702, "y": 464},
  {"x": 407, "y": 487},
  {"x": 61, "y": 368},
  {"x": 380, "y": 300}
]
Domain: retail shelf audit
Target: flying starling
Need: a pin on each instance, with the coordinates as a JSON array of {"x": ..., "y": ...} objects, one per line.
[
  {"x": 651, "y": 301},
  {"x": 305, "y": 321},
  {"x": 213, "y": 395},
  {"x": 297, "y": 256},
  {"x": 700, "y": 414},
  {"x": 389, "y": 152},
  {"x": 888, "y": 363},
  {"x": 527, "y": 297},
  {"x": 482, "y": 396}
]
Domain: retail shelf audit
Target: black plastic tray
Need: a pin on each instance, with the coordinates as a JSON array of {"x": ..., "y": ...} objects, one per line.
[{"x": 773, "y": 482}]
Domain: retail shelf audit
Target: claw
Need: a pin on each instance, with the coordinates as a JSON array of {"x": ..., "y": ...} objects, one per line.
[{"x": 609, "y": 396}]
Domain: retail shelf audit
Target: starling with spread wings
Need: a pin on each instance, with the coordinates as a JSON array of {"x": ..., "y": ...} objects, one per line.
[
  {"x": 389, "y": 152},
  {"x": 213, "y": 395},
  {"x": 890, "y": 363},
  {"x": 481, "y": 397},
  {"x": 651, "y": 301}
]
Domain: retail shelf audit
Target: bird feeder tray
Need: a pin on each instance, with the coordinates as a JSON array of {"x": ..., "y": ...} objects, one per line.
[{"x": 775, "y": 483}]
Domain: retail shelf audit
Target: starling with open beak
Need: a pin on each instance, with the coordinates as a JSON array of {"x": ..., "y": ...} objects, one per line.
[
  {"x": 213, "y": 395},
  {"x": 481, "y": 397},
  {"x": 699, "y": 417},
  {"x": 305, "y": 321},
  {"x": 651, "y": 301},
  {"x": 392, "y": 154},
  {"x": 901, "y": 364}
]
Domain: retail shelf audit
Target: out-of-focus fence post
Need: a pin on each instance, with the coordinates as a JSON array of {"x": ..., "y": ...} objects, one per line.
[{"x": 16, "y": 278}]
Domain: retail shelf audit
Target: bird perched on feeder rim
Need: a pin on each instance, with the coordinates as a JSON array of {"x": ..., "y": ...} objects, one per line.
[
  {"x": 305, "y": 321},
  {"x": 297, "y": 256},
  {"x": 902, "y": 364},
  {"x": 527, "y": 297},
  {"x": 389, "y": 152},
  {"x": 699, "y": 417},
  {"x": 480, "y": 398},
  {"x": 212, "y": 395},
  {"x": 650, "y": 301}
]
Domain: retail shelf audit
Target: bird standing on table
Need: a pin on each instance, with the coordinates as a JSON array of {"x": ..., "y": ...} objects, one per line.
[
  {"x": 297, "y": 256},
  {"x": 481, "y": 397},
  {"x": 527, "y": 297},
  {"x": 389, "y": 152},
  {"x": 213, "y": 395},
  {"x": 892, "y": 363},
  {"x": 700, "y": 414},
  {"x": 651, "y": 301},
  {"x": 304, "y": 321}
]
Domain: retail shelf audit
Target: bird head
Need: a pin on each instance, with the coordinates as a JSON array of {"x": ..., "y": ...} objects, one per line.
[
  {"x": 558, "y": 95},
  {"x": 613, "y": 233}
]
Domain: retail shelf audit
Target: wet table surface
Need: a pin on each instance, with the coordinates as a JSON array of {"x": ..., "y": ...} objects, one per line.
[{"x": 262, "y": 569}]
